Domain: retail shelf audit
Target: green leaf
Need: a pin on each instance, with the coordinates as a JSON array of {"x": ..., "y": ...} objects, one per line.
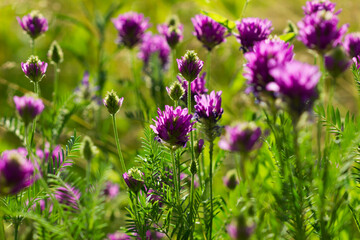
[
  {"x": 230, "y": 25},
  {"x": 288, "y": 37}
]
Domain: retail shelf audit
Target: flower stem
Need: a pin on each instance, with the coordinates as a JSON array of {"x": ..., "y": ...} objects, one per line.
[
  {"x": 208, "y": 70},
  {"x": 32, "y": 46},
  {"x": 123, "y": 167},
  {"x": 175, "y": 175},
  {"x": 211, "y": 148},
  {"x": 56, "y": 83},
  {"x": 16, "y": 230},
  {"x": 2, "y": 230}
]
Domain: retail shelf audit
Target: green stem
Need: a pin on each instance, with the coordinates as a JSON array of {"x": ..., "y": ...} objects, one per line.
[
  {"x": 137, "y": 90},
  {"x": 32, "y": 46},
  {"x": 175, "y": 175},
  {"x": 56, "y": 83},
  {"x": 16, "y": 230},
  {"x": 2, "y": 230},
  {"x": 238, "y": 168},
  {"x": 123, "y": 167},
  {"x": 208, "y": 71},
  {"x": 173, "y": 65},
  {"x": 211, "y": 186}
]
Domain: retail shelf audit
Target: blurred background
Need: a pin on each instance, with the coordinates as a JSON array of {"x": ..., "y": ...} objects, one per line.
[{"x": 74, "y": 24}]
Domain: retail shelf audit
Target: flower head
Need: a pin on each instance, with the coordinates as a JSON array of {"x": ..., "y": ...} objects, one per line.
[
  {"x": 176, "y": 91},
  {"x": 16, "y": 172},
  {"x": 172, "y": 126},
  {"x": 190, "y": 65},
  {"x": 231, "y": 179},
  {"x": 134, "y": 179},
  {"x": 239, "y": 230},
  {"x": 337, "y": 61},
  {"x": 28, "y": 108},
  {"x": 319, "y": 31},
  {"x": 197, "y": 87},
  {"x": 154, "y": 44},
  {"x": 296, "y": 83},
  {"x": 55, "y": 53},
  {"x": 352, "y": 44},
  {"x": 265, "y": 56},
  {"x": 207, "y": 31},
  {"x": 112, "y": 102},
  {"x": 34, "y": 24},
  {"x": 131, "y": 27},
  {"x": 251, "y": 31},
  {"x": 243, "y": 137},
  {"x": 172, "y": 31},
  {"x": 68, "y": 196},
  {"x": 34, "y": 69},
  {"x": 111, "y": 190},
  {"x": 208, "y": 107},
  {"x": 318, "y": 5}
]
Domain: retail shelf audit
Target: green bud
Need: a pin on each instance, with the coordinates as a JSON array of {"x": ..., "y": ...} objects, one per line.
[
  {"x": 176, "y": 91},
  {"x": 112, "y": 102},
  {"x": 55, "y": 53},
  {"x": 193, "y": 169},
  {"x": 88, "y": 149}
]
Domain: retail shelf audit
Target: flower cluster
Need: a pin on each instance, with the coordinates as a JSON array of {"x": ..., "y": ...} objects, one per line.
[
  {"x": 173, "y": 32},
  {"x": 266, "y": 55},
  {"x": 34, "y": 69},
  {"x": 16, "y": 172},
  {"x": 352, "y": 47},
  {"x": 190, "y": 65},
  {"x": 251, "y": 31},
  {"x": 317, "y": 6},
  {"x": 131, "y": 27},
  {"x": 243, "y": 137},
  {"x": 154, "y": 44},
  {"x": 207, "y": 31},
  {"x": 28, "y": 108},
  {"x": 34, "y": 24},
  {"x": 134, "y": 179},
  {"x": 172, "y": 126}
]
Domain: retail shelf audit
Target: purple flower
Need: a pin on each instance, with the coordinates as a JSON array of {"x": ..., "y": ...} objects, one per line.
[
  {"x": 87, "y": 91},
  {"x": 251, "y": 31},
  {"x": 319, "y": 31},
  {"x": 154, "y": 235},
  {"x": 58, "y": 163},
  {"x": 357, "y": 61},
  {"x": 231, "y": 180},
  {"x": 197, "y": 87},
  {"x": 265, "y": 56},
  {"x": 16, "y": 172},
  {"x": 319, "y": 5},
  {"x": 154, "y": 197},
  {"x": 172, "y": 33},
  {"x": 131, "y": 27},
  {"x": 41, "y": 204},
  {"x": 111, "y": 190},
  {"x": 337, "y": 61},
  {"x": 172, "y": 126},
  {"x": 243, "y": 137},
  {"x": 296, "y": 83},
  {"x": 34, "y": 24},
  {"x": 239, "y": 230},
  {"x": 28, "y": 108},
  {"x": 208, "y": 107},
  {"x": 199, "y": 147},
  {"x": 118, "y": 236},
  {"x": 34, "y": 69},
  {"x": 112, "y": 102},
  {"x": 352, "y": 44},
  {"x": 154, "y": 44},
  {"x": 68, "y": 196},
  {"x": 190, "y": 65},
  {"x": 209, "y": 32},
  {"x": 134, "y": 179}
]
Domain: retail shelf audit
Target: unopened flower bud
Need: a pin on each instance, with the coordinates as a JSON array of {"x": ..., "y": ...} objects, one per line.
[
  {"x": 133, "y": 179},
  {"x": 231, "y": 180},
  {"x": 176, "y": 91},
  {"x": 34, "y": 69},
  {"x": 337, "y": 61},
  {"x": 190, "y": 65},
  {"x": 88, "y": 149},
  {"x": 193, "y": 169},
  {"x": 55, "y": 53},
  {"x": 113, "y": 102},
  {"x": 199, "y": 146}
]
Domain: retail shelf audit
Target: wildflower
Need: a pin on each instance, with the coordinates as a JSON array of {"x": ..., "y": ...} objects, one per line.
[
  {"x": 352, "y": 44},
  {"x": 111, "y": 190},
  {"x": 131, "y": 27},
  {"x": 28, "y": 108},
  {"x": 172, "y": 126},
  {"x": 239, "y": 230},
  {"x": 68, "y": 196},
  {"x": 319, "y": 31},
  {"x": 197, "y": 87},
  {"x": 112, "y": 102},
  {"x": 172, "y": 31},
  {"x": 176, "y": 91},
  {"x": 207, "y": 31},
  {"x": 337, "y": 61},
  {"x": 190, "y": 65},
  {"x": 154, "y": 44},
  {"x": 265, "y": 56},
  {"x": 16, "y": 172},
  {"x": 318, "y": 5},
  {"x": 243, "y": 137},
  {"x": 55, "y": 53},
  {"x": 34, "y": 69},
  {"x": 296, "y": 83},
  {"x": 34, "y": 24},
  {"x": 251, "y": 31},
  {"x": 231, "y": 180},
  {"x": 133, "y": 179},
  {"x": 118, "y": 236},
  {"x": 87, "y": 91}
]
